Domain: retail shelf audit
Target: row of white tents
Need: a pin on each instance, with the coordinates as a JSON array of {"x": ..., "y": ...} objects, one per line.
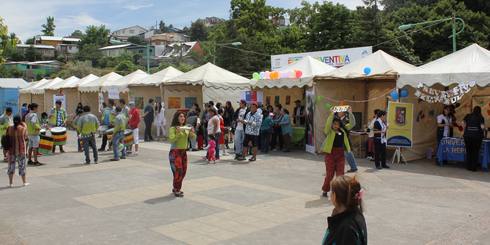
[{"x": 364, "y": 92}]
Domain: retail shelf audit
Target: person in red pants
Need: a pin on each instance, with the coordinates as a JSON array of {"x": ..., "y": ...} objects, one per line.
[{"x": 336, "y": 142}]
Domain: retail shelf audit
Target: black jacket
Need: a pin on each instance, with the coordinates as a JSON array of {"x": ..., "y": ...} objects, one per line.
[
  {"x": 302, "y": 119},
  {"x": 347, "y": 228}
]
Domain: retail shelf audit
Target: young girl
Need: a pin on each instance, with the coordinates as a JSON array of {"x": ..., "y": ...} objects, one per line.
[
  {"x": 336, "y": 143},
  {"x": 17, "y": 150},
  {"x": 347, "y": 224},
  {"x": 211, "y": 149}
]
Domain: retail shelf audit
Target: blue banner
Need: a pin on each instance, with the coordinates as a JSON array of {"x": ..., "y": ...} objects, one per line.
[{"x": 9, "y": 97}]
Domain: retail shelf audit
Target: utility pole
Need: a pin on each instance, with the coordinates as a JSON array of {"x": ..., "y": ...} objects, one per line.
[{"x": 147, "y": 58}]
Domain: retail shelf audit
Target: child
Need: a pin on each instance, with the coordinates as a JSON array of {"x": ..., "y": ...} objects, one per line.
[
  {"x": 44, "y": 120},
  {"x": 211, "y": 149},
  {"x": 347, "y": 224}
]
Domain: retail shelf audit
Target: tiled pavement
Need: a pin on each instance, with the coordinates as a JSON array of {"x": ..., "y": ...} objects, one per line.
[{"x": 272, "y": 201}]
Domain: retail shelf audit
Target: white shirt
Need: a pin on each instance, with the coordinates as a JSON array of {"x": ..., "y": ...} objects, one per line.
[
  {"x": 212, "y": 125},
  {"x": 241, "y": 115},
  {"x": 442, "y": 119},
  {"x": 383, "y": 130},
  {"x": 371, "y": 128}
]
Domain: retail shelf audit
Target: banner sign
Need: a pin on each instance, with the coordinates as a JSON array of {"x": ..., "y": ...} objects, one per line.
[
  {"x": 253, "y": 96},
  {"x": 400, "y": 124},
  {"x": 341, "y": 108},
  {"x": 60, "y": 97},
  {"x": 9, "y": 97},
  {"x": 335, "y": 58},
  {"x": 113, "y": 93},
  {"x": 310, "y": 108},
  {"x": 451, "y": 149},
  {"x": 447, "y": 97}
]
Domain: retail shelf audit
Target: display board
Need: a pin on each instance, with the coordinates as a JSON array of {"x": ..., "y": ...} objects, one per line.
[{"x": 400, "y": 124}]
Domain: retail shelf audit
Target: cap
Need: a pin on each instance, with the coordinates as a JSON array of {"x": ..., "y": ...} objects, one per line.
[
  {"x": 254, "y": 103},
  {"x": 243, "y": 102}
]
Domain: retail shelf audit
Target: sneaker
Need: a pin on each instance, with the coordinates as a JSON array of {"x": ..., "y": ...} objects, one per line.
[
  {"x": 114, "y": 160},
  {"x": 26, "y": 184},
  {"x": 179, "y": 194},
  {"x": 123, "y": 157},
  {"x": 96, "y": 162},
  {"x": 351, "y": 170},
  {"x": 241, "y": 159},
  {"x": 386, "y": 166},
  {"x": 101, "y": 150},
  {"x": 30, "y": 162},
  {"x": 379, "y": 167},
  {"x": 325, "y": 194},
  {"x": 252, "y": 159}
]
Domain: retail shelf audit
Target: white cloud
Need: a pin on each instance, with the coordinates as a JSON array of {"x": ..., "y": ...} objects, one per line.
[
  {"x": 77, "y": 22},
  {"x": 138, "y": 6}
]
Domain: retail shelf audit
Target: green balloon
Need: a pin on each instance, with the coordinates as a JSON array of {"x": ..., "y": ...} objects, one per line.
[
  {"x": 319, "y": 98},
  {"x": 328, "y": 106},
  {"x": 256, "y": 76}
]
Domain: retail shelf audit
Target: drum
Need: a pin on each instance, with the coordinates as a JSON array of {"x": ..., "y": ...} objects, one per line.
[
  {"x": 42, "y": 131},
  {"x": 128, "y": 137},
  {"x": 109, "y": 133},
  {"x": 46, "y": 145},
  {"x": 102, "y": 129},
  {"x": 59, "y": 135}
]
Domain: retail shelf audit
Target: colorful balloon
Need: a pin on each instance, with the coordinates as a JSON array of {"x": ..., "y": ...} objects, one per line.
[
  {"x": 394, "y": 94},
  {"x": 256, "y": 76},
  {"x": 367, "y": 70},
  {"x": 274, "y": 75},
  {"x": 267, "y": 75},
  {"x": 404, "y": 93},
  {"x": 262, "y": 75},
  {"x": 298, "y": 74}
]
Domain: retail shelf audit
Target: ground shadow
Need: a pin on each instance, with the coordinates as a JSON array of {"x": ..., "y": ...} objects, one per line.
[
  {"x": 158, "y": 200},
  {"x": 75, "y": 165},
  {"x": 8, "y": 188},
  {"x": 322, "y": 202}
]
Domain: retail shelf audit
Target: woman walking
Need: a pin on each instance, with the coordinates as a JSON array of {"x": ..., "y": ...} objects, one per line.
[
  {"x": 380, "y": 128},
  {"x": 347, "y": 225},
  {"x": 473, "y": 124},
  {"x": 336, "y": 143},
  {"x": 17, "y": 136},
  {"x": 179, "y": 136},
  {"x": 161, "y": 123}
]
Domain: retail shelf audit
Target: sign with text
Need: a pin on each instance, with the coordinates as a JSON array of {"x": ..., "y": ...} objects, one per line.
[
  {"x": 341, "y": 108},
  {"x": 335, "y": 58},
  {"x": 400, "y": 124},
  {"x": 113, "y": 93},
  {"x": 253, "y": 96}
]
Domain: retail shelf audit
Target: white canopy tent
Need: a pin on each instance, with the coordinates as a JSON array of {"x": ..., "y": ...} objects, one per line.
[
  {"x": 157, "y": 78},
  {"x": 39, "y": 89},
  {"x": 13, "y": 83},
  {"x": 82, "y": 81},
  {"x": 96, "y": 84},
  {"x": 61, "y": 84},
  {"x": 26, "y": 90},
  {"x": 469, "y": 64},
  {"x": 309, "y": 66},
  {"x": 122, "y": 83},
  {"x": 217, "y": 83}
]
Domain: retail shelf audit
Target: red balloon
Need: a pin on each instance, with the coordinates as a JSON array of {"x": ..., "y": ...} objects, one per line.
[{"x": 299, "y": 74}]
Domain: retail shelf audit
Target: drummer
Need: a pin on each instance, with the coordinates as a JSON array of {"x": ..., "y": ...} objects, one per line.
[
  {"x": 120, "y": 123},
  {"x": 107, "y": 119},
  {"x": 57, "y": 118},
  {"x": 87, "y": 125}
]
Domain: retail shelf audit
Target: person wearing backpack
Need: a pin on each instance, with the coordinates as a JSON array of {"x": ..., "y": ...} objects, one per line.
[{"x": 16, "y": 136}]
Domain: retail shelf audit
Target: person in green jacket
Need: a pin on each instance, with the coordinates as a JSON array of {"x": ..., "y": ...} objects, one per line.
[
  {"x": 335, "y": 144},
  {"x": 120, "y": 124},
  {"x": 87, "y": 125},
  {"x": 5, "y": 122},
  {"x": 57, "y": 118},
  {"x": 178, "y": 136},
  {"x": 33, "y": 130}
]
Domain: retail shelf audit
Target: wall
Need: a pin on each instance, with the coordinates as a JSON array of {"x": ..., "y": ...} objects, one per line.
[
  {"x": 375, "y": 90},
  {"x": 39, "y": 100},
  {"x": 180, "y": 91},
  {"x": 294, "y": 93},
  {"x": 92, "y": 100},
  {"x": 24, "y": 98}
]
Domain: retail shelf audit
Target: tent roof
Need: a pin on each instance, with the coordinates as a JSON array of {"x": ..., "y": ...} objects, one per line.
[
  {"x": 74, "y": 83},
  {"x": 212, "y": 76},
  {"x": 157, "y": 78},
  {"x": 308, "y": 65},
  {"x": 469, "y": 64},
  {"x": 70, "y": 80},
  {"x": 39, "y": 89},
  {"x": 122, "y": 83},
  {"x": 13, "y": 83},
  {"x": 96, "y": 84},
  {"x": 27, "y": 89},
  {"x": 382, "y": 65}
]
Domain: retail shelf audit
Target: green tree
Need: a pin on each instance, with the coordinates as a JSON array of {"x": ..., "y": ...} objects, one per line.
[
  {"x": 30, "y": 40},
  {"x": 138, "y": 40},
  {"x": 95, "y": 35},
  {"x": 198, "y": 31},
  {"x": 77, "y": 34},
  {"x": 161, "y": 27},
  {"x": 89, "y": 52},
  {"x": 48, "y": 28},
  {"x": 32, "y": 54},
  {"x": 125, "y": 67}
]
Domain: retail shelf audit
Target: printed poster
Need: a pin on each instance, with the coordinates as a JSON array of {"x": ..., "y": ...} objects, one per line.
[
  {"x": 189, "y": 101},
  {"x": 113, "y": 93},
  {"x": 400, "y": 124},
  {"x": 253, "y": 96},
  {"x": 174, "y": 102},
  {"x": 309, "y": 130}
]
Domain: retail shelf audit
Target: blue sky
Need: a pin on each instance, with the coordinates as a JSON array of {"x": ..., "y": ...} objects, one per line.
[{"x": 25, "y": 17}]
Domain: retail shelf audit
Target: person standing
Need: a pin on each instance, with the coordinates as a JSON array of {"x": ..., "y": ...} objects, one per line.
[
  {"x": 286, "y": 129},
  {"x": 149, "y": 115},
  {"x": 161, "y": 123},
  {"x": 239, "y": 129},
  {"x": 133, "y": 123},
  {"x": 252, "y": 122},
  {"x": 214, "y": 128},
  {"x": 347, "y": 224},
  {"x": 108, "y": 115},
  {"x": 78, "y": 113},
  {"x": 17, "y": 150},
  {"x": 444, "y": 124},
  {"x": 5, "y": 122},
  {"x": 179, "y": 137},
  {"x": 120, "y": 123},
  {"x": 228, "y": 117},
  {"x": 349, "y": 123},
  {"x": 33, "y": 130},
  {"x": 57, "y": 118},
  {"x": 194, "y": 121},
  {"x": 370, "y": 148},
  {"x": 221, "y": 140},
  {"x": 380, "y": 128},
  {"x": 299, "y": 114},
  {"x": 265, "y": 132},
  {"x": 335, "y": 144},
  {"x": 124, "y": 107},
  {"x": 87, "y": 125},
  {"x": 474, "y": 125},
  {"x": 277, "y": 139}
]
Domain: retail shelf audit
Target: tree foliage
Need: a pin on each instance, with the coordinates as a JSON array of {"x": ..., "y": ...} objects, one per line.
[
  {"x": 49, "y": 27},
  {"x": 138, "y": 40}
]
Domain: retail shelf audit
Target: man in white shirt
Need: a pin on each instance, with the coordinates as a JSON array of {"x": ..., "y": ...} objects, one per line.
[{"x": 240, "y": 130}]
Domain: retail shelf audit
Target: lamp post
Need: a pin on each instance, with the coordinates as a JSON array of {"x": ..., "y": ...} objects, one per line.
[
  {"x": 235, "y": 44},
  {"x": 435, "y": 22},
  {"x": 147, "y": 58}
]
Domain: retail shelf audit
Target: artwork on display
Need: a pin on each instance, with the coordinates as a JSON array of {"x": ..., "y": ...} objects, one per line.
[
  {"x": 60, "y": 97},
  {"x": 139, "y": 102},
  {"x": 174, "y": 102},
  {"x": 399, "y": 119},
  {"x": 268, "y": 100},
  {"x": 189, "y": 101},
  {"x": 253, "y": 96},
  {"x": 113, "y": 93},
  {"x": 447, "y": 97},
  {"x": 277, "y": 100},
  {"x": 288, "y": 100},
  {"x": 310, "y": 108}
]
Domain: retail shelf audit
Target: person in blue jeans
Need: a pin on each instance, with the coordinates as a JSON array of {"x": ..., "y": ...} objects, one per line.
[
  {"x": 265, "y": 132},
  {"x": 348, "y": 122},
  {"x": 120, "y": 123}
]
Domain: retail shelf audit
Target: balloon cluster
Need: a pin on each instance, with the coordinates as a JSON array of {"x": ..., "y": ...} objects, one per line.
[
  {"x": 395, "y": 95},
  {"x": 274, "y": 75}
]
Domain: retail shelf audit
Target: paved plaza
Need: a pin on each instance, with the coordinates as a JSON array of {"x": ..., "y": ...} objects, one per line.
[{"x": 275, "y": 200}]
